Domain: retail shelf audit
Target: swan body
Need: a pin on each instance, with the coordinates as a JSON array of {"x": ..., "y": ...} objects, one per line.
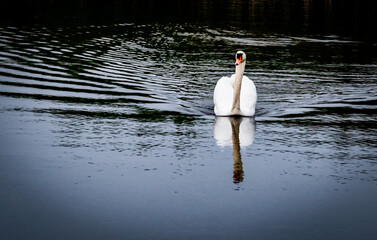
[{"x": 235, "y": 95}]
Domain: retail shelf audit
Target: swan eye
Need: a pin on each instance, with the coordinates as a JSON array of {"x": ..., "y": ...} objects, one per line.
[{"x": 239, "y": 56}]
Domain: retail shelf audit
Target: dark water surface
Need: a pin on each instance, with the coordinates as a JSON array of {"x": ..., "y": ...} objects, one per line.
[{"x": 107, "y": 132}]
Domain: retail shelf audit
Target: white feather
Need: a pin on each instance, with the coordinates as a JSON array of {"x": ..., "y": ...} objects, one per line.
[{"x": 223, "y": 96}]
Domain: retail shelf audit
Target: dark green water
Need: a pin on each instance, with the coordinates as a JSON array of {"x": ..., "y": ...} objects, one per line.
[{"x": 107, "y": 129}]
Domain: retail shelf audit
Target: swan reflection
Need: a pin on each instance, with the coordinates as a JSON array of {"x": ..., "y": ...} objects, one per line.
[{"x": 236, "y": 132}]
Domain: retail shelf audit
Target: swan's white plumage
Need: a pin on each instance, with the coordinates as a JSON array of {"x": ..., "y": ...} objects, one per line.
[{"x": 223, "y": 96}]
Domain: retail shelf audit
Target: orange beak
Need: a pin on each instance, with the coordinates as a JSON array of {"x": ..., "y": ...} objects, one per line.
[{"x": 238, "y": 61}]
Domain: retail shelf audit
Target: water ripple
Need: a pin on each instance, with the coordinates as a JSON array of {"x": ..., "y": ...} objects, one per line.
[{"x": 174, "y": 68}]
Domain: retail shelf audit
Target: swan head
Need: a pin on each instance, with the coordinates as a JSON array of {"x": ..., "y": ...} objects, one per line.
[{"x": 240, "y": 57}]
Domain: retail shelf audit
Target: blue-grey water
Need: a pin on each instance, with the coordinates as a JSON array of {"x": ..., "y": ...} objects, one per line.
[{"x": 108, "y": 132}]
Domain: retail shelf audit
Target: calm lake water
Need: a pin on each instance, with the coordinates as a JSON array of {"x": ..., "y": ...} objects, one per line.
[{"x": 107, "y": 131}]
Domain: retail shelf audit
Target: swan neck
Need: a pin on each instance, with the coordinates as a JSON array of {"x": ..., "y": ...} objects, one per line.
[{"x": 236, "y": 110}]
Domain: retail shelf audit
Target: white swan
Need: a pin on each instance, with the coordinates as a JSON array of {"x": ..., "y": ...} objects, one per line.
[{"x": 236, "y": 95}]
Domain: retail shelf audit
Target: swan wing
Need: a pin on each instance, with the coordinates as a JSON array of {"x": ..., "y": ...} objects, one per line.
[
  {"x": 223, "y": 96},
  {"x": 248, "y": 97}
]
